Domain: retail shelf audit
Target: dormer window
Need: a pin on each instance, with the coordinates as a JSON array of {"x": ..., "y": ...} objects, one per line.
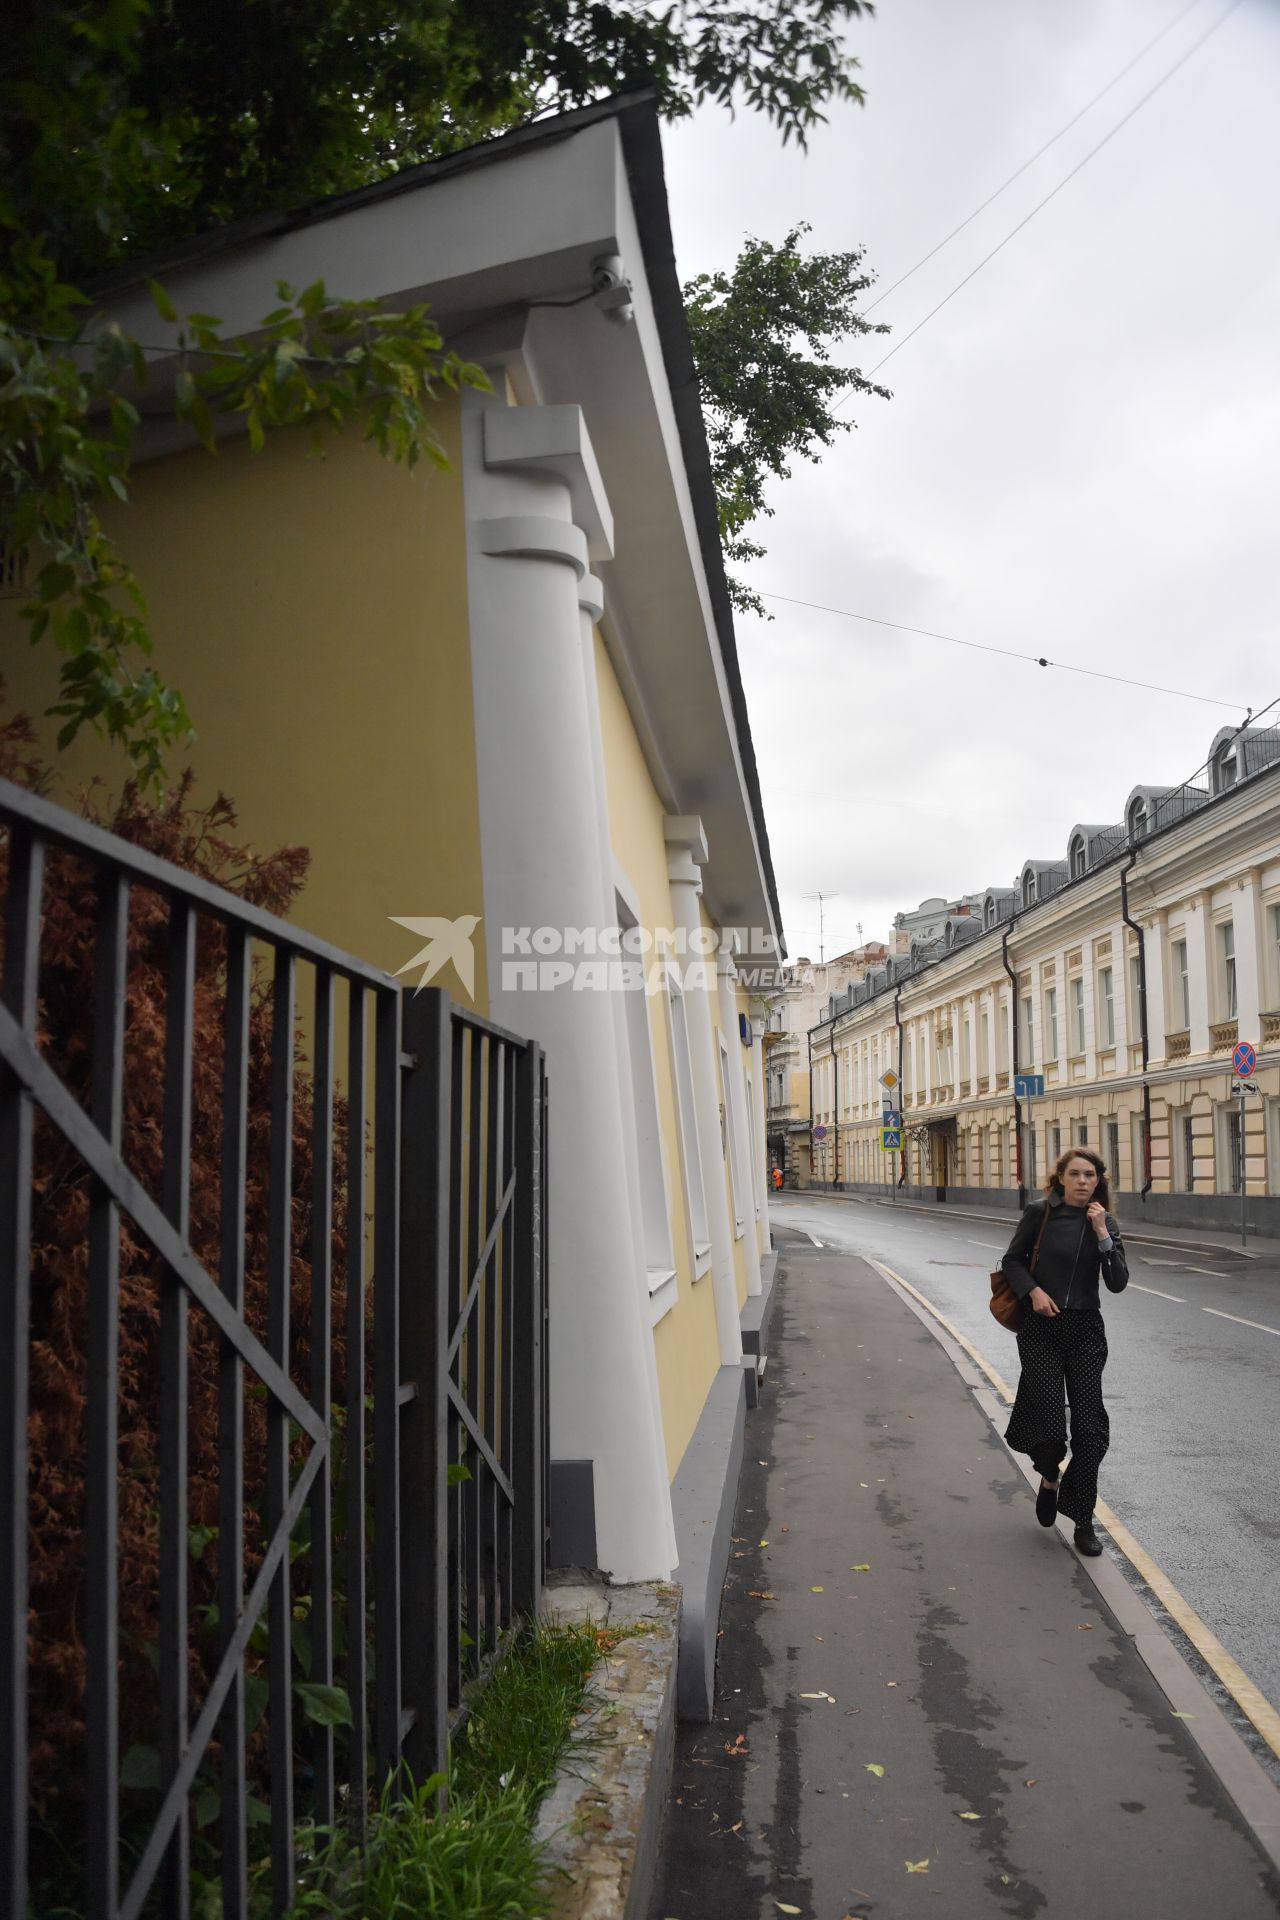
[
  {"x": 1028, "y": 889},
  {"x": 1079, "y": 858},
  {"x": 991, "y": 913},
  {"x": 1137, "y": 818},
  {"x": 1225, "y": 767}
]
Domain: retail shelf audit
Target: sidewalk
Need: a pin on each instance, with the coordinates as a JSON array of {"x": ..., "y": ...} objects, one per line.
[
  {"x": 924, "y": 1705},
  {"x": 1184, "y": 1239}
]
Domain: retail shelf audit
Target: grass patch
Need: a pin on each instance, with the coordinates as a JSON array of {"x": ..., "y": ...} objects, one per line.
[{"x": 475, "y": 1859}]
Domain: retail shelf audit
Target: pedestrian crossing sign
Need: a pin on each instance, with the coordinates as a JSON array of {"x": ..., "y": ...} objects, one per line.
[{"x": 891, "y": 1139}]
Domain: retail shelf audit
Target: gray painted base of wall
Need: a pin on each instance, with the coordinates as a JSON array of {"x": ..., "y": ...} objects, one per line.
[
  {"x": 571, "y": 1498},
  {"x": 703, "y": 1495}
]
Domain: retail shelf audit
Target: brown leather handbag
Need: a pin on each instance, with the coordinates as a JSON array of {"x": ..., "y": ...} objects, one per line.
[{"x": 1004, "y": 1302}]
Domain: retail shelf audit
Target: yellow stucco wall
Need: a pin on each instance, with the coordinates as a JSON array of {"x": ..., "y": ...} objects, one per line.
[
  {"x": 685, "y": 1341},
  {"x": 314, "y": 614}
]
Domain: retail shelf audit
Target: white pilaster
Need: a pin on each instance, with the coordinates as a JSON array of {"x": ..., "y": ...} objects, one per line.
[
  {"x": 736, "y": 1092},
  {"x": 762, "y": 1145},
  {"x": 686, "y": 853},
  {"x": 544, "y": 866},
  {"x": 1199, "y": 936},
  {"x": 1246, "y": 906},
  {"x": 1153, "y": 946}
]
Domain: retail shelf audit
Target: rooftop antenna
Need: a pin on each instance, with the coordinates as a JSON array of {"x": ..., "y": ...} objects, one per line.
[{"x": 820, "y": 897}]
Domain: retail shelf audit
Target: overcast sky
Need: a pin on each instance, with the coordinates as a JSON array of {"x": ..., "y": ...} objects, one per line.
[{"x": 1081, "y": 458}]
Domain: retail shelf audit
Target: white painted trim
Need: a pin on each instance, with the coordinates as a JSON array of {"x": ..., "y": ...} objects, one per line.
[
  {"x": 555, "y": 440},
  {"x": 534, "y": 536}
]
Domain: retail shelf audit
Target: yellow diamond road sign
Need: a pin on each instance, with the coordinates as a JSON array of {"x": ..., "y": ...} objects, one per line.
[{"x": 889, "y": 1080}]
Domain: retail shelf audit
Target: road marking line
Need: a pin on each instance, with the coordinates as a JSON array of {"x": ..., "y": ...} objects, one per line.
[
  {"x": 1218, "y": 1314},
  {"x": 995, "y": 1245},
  {"x": 1214, "y": 1273},
  {"x": 814, "y": 1238},
  {"x": 1148, "y": 1262},
  {"x": 1160, "y": 1296},
  {"x": 1252, "y": 1702}
]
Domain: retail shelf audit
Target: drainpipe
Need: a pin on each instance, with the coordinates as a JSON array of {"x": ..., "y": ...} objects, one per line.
[
  {"x": 902, "y": 1094},
  {"x": 835, "y": 1108},
  {"x": 810, "y": 1037},
  {"x": 1142, "y": 1020},
  {"x": 1013, "y": 1064}
]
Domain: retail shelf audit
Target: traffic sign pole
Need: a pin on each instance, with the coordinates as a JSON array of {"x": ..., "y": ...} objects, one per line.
[{"x": 1244, "y": 1061}]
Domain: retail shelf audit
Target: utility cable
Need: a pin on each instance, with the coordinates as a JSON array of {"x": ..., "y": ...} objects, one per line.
[
  {"x": 1038, "y": 154},
  {"x": 1137, "y": 107},
  {"x": 1008, "y": 653}
]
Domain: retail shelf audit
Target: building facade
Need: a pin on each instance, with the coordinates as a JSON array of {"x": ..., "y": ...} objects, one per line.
[
  {"x": 1124, "y": 973},
  {"x": 792, "y": 1010}
]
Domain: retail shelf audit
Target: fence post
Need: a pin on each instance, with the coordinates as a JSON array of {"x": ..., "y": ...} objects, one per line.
[
  {"x": 527, "y": 1466},
  {"x": 426, "y": 1172}
]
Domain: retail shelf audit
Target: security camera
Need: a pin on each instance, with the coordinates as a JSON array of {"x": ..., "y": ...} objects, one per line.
[{"x": 612, "y": 288}]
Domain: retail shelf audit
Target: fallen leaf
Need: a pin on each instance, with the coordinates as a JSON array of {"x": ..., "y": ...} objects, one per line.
[
  {"x": 862, "y": 1483},
  {"x": 786, "y": 1529},
  {"x": 891, "y": 1683},
  {"x": 815, "y": 1696},
  {"x": 1082, "y": 1626},
  {"x": 1031, "y": 1783},
  {"x": 782, "y": 1907},
  {"x": 817, "y": 1589},
  {"x": 873, "y": 1766},
  {"x": 1184, "y": 1716},
  {"x": 969, "y": 1816},
  {"x": 1006, "y": 1879},
  {"x": 736, "y": 1827},
  {"x": 863, "y": 1566},
  {"x": 916, "y": 1866},
  {"x": 753, "y": 1595},
  {"x": 764, "y": 1543}
]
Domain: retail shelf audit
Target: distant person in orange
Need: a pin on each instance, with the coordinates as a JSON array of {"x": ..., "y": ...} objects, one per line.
[{"x": 777, "y": 1179}]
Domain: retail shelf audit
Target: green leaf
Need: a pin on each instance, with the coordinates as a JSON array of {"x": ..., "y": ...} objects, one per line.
[
  {"x": 458, "y": 1472},
  {"x": 140, "y": 1768},
  {"x": 163, "y": 304},
  {"x": 326, "y": 1706},
  {"x": 873, "y": 1766}
]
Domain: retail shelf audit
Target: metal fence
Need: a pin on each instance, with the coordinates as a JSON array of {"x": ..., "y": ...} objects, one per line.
[{"x": 380, "y": 1469}]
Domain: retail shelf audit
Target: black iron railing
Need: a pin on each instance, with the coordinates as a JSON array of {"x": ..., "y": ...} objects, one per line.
[{"x": 374, "y": 1544}]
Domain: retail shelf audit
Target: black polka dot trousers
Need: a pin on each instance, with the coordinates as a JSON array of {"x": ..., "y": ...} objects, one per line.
[{"x": 1067, "y": 1352}]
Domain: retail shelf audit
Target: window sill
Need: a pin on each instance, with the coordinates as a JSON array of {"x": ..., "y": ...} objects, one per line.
[
  {"x": 659, "y": 1277},
  {"x": 661, "y": 1302},
  {"x": 701, "y": 1260}
]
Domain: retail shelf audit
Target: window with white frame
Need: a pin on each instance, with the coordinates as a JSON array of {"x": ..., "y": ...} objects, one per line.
[
  {"x": 1137, "y": 1141},
  {"x": 655, "y": 1211},
  {"x": 1135, "y": 993},
  {"x": 1111, "y": 1149},
  {"x": 1227, "y": 969},
  {"x": 1082, "y": 1133},
  {"x": 1053, "y": 1143},
  {"x": 1183, "y": 1132},
  {"x": 688, "y": 1124},
  {"x": 1077, "y": 1014},
  {"x": 1079, "y": 857},
  {"x": 1137, "y": 817},
  {"x": 1026, "y": 1041},
  {"x": 732, "y": 1145},
  {"x": 1106, "y": 1007},
  {"x": 1230, "y": 1148},
  {"x": 1051, "y": 1023},
  {"x": 1181, "y": 985}
]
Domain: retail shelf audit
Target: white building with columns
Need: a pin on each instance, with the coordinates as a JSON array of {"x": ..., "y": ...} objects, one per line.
[
  {"x": 509, "y": 690},
  {"x": 1124, "y": 974}
]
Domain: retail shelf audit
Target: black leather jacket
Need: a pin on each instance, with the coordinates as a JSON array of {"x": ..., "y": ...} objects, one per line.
[{"x": 1070, "y": 1257}]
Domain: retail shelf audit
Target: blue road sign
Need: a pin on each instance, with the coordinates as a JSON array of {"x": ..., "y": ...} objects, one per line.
[
  {"x": 1028, "y": 1086},
  {"x": 1244, "y": 1059},
  {"x": 890, "y": 1117},
  {"x": 819, "y": 1133},
  {"x": 891, "y": 1139}
]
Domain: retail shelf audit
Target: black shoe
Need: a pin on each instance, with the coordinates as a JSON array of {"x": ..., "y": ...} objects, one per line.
[
  {"x": 1047, "y": 1505},
  {"x": 1087, "y": 1541}
]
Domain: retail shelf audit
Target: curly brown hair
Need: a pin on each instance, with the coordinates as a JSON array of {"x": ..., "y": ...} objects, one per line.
[{"x": 1101, "y": 1193}]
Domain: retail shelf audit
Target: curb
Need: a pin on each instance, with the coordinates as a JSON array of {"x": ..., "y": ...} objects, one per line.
[
  {"x": 600, "y": 1824},
  {"x": 1135, "y": 1236}
]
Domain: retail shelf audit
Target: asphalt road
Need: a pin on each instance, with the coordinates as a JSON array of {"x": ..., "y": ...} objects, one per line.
[{"x": 1193, "y": 1393}]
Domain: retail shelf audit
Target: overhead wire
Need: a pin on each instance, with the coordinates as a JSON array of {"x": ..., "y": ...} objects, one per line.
[
  {"x": 1008, "y": 653},
  {"x": 1039, "y": 153},
  {"x": 1040, "y": 205}
]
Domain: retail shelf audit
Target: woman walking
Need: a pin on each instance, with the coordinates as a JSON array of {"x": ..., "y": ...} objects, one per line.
[{"x": 1061, "y": 1245}]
